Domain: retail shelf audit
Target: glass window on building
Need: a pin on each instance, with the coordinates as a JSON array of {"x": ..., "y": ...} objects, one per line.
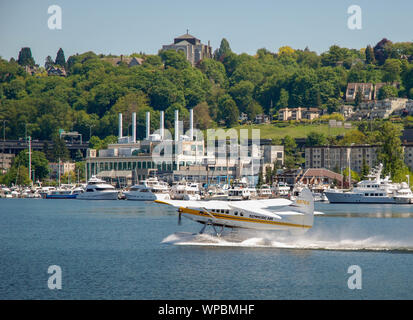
[{"x": 139, "y": 165}]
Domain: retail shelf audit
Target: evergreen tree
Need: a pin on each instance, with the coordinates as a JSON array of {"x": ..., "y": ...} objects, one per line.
[
  {"x": 370, "y": 55},
  {"x": 60, "y": 58},
  {"x": 391, "y": 154},
  {"x": 59, "y": 150},
  {"x": 48, "y": 63},
  {"x": 359, "y": 98},
  {"x": 224, "y": 49},
  {"x": 25, "y": 57},
  {"x": 365, "y": 169}
]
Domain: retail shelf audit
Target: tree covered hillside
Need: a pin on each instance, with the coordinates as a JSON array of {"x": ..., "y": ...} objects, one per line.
[{"x": 88, "y": 99}]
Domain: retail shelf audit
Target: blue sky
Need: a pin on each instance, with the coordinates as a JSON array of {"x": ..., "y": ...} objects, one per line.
[{"x": 127, "y": 26}]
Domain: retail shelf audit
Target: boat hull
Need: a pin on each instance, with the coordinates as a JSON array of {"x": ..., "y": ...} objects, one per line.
[
  {"x": 61, "y": 196},
  {"x": 347, "y": 197},
  {"x": 98, "y": 196},
  {"x": 145, "y": 196}
]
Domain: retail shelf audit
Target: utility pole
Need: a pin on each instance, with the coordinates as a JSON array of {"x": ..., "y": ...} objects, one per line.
[
  {"x": 30, "y": 159},
  {"x": 59, "y": 172},
  {"x": 4, "y": 143}
]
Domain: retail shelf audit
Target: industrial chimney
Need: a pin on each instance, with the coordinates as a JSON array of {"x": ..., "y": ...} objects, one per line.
[
  {"x": 120, "y": 126},
  {"x": 162, "y": 126},
  {"x": 148, "y": 125},
  {"x": 134, "y": 127},
  {"x": 176, "y": 125},
  {"x": 191, "y": 124}
]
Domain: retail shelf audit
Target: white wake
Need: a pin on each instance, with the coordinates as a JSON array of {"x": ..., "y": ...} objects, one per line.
[{"x": 316, "y": 241}]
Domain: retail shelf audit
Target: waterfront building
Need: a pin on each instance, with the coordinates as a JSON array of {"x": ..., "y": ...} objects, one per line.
[
  {"x": 6, "y": 161},
  {"x": 63, "y": 167},
  {"x": 336, "y": 157},
  {"x": 185, "y": 156}
]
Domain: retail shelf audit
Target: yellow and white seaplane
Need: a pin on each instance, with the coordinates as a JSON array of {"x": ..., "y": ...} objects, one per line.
[{"x": 296, "y": 216}]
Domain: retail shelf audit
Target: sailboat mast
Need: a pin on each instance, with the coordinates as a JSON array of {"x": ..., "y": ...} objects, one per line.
[{"x": 30, "y": 160}]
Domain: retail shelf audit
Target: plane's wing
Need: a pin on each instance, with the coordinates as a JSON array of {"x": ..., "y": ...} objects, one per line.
[
  {"x": 196, "y": 204},
  {"x": 253, "y": 209},
  {"x": 256, "y": 206}
]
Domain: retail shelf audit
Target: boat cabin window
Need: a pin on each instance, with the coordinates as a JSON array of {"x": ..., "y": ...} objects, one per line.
[
  {"x": 236, "y": 213},
  {"x": 227, "y": 211}
]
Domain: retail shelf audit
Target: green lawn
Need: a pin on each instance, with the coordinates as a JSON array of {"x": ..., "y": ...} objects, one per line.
[{"x": 269, "y": 131}]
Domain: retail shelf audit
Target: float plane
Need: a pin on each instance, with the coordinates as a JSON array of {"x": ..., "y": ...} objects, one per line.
[{"x": 296, "y": 216}]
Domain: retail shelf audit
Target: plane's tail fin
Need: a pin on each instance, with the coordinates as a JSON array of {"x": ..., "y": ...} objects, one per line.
[{"x": 305, "y": 205}]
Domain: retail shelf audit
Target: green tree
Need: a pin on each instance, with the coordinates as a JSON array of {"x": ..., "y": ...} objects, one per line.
[
  {"x": 25, "y": 57},
  {"x": 39, "y": 163},
  {"x": 370, "y": 55},
  {"x": 60, "y": 58},
  {"x": 365, "y": 169},
  {"x": 316, "y": 139},
  {"x": 16, "y": 175},
  {"x": 283, "y": 101},
  {"x": 59, "y": 150},
  {"x": 290, "y": 151},
  {"x": 228, "y": 111},
  {"x": 223, "y": 50},
  {"x": 388, "y": 92},
  {"x": 173, "y": 59},
  {"x": 359, "y": 98},
  {"x": 392, "y": 70},
  {"x": 390, "y": 153},
  {"x": 48, "y": 62}
]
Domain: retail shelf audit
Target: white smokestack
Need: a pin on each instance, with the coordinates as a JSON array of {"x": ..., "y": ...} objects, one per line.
[
  {"x": 162, "y": 125},
  {"x": 120, "y": 126},
  {"x": 176, "y": 125},
  {"x": 134, "y": 127},
  {"x": 191, "y": 124},
  {"x": 148, "y": 124}
]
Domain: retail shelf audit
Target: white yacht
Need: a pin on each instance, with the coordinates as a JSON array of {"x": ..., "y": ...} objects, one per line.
[
  {"x": 98, "y": 189},
  {"x": 265, "y": 191},
  {"x": 373, "y": 190},
  {"x": 281, "y": 189},
  {"x": 217, "y": 193},
  {"x": 5, "y": 193},
  {"x": 185, "y": 191},
  {"x": 404, "y": 195},
  {"x": 148, "y": 190},
  {"x": 239, "y": 190}
]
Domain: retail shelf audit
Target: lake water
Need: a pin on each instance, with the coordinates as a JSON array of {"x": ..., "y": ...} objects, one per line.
[{"x": 136, "y": 250}]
